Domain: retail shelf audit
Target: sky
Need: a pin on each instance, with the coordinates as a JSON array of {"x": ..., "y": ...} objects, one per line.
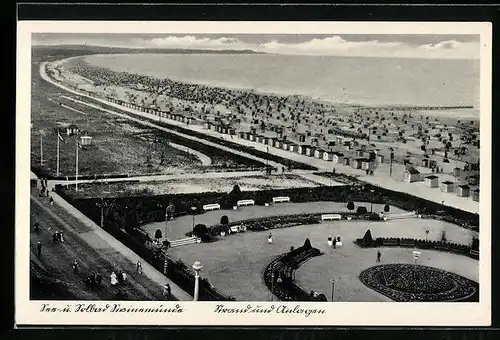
[{"x": 388, "y": 45}]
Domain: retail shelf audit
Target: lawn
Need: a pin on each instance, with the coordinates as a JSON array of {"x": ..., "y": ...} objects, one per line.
[
  {"x": 117, "y": 148},
  {"x": 234, "y": 265}
]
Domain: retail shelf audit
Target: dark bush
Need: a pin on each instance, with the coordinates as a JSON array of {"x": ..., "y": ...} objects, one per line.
[
  {"x": 361, "y": 210},
  {"x": 199, "y": 230},
  {"x": 387, "y": 208},
  {"x": 350, "y": 205},
  {"x": 224, "y": 220},
  {"x": 158, "y": 234}
]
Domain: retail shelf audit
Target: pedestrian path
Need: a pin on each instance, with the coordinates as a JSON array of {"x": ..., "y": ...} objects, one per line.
[{"x": 148, "y": 270}]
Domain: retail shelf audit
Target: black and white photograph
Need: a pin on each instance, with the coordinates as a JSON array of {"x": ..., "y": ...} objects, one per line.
[{"x": 284, "y": 173}]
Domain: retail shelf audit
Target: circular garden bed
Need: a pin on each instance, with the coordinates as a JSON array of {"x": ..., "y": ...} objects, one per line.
[{"x": 408, "y": 282}]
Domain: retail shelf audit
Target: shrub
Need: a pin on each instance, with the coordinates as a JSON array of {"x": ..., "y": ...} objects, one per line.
[
  {"x": 224, "y": 220},
  {"x": 361, "y": 210},
  {"x": 387, "y": 208},
  {"x": 158, "y": 234},
  {"x": 199, "y": 230}
]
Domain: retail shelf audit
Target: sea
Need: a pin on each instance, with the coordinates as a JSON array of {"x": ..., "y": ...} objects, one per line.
[{"x": 351, "y": 80}]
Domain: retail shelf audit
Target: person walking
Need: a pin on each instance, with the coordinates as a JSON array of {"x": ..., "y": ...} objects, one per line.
[
  {"x": 330, "y": 241},
  {"x": 270, "y": 238},
  {"x": 51, "y": 200},
  {"x": 39, "y": 248},
  {"x": 75, "y": 267},
  {"x": 139, "y": 267},
  {"x": 167, "y": 290},
  {"x": 113, "y": 279},
  {"x": 37, "y": 226},
  {"x": 61, "y": 238},
  {"x": 379, "y": 255}
]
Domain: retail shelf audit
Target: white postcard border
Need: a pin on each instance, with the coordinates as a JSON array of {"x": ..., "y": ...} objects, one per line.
[{"x": 204, "y": 313}]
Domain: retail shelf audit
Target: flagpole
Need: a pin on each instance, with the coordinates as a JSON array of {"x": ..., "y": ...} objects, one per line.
[
  {"x": 41, "y": 149},
  {"x": 58, "y": 140},
  {"x": 76, "y": 168}
]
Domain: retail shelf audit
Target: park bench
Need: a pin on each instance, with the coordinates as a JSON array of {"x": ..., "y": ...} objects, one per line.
[
  {"x": 281, "y": 199},
  {"x": 208, "y": 207},
  {"x": 234, "y": 229},
  {"x": 331, "y": 217},
  {"x": 390, "y": 242},
  {"x": 241, "y": 203}
]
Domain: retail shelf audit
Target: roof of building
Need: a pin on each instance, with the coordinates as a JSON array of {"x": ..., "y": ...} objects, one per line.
[
  {"x": 72, "y": 126},
  {"x": 464, "y": 186},
  {"x": 412, "y": 171},
  {"x": 431, "y": 177},
  {"x": 447, "y": 182}
]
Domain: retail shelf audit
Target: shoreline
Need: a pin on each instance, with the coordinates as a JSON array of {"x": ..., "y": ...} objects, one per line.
[{"x": 426, "y": 110}]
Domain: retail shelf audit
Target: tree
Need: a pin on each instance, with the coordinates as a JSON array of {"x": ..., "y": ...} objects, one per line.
[
  {"x": 350, "y": 205},
  {"x": 387, "y": 208},
  {"x": 443, "y": 236},
  {"x": 307, "y": 244},
  {"x": 158, "y": 234}
]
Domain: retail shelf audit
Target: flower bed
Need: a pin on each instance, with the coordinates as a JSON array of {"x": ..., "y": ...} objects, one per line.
[
  {"x": 408, "y": 282},
  {"x": 285, "y": 221}
]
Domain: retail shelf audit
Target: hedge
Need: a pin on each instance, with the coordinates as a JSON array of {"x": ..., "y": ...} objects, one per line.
[
  {"x": 286, "y": 266},
  {"x": 455, "y": 248}
]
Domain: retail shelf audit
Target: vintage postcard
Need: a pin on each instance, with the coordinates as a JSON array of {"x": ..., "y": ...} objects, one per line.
[{"x": 253, "y": 173}]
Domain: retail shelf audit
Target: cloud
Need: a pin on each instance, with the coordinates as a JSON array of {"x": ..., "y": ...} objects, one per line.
[
  {"x": 329, "y": 46},
  {"x": 337, "y": 46},
  {"x": 192, "y": 42}
]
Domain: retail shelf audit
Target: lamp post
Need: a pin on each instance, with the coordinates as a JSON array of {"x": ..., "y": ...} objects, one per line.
[
  {"x": 426, "y": 234},
  {"x": 273, "y": 269},
  {"x": 416, "y": 254},
  {"x": 391, "y": 158},
  {"x": 197, "y": 268},
  {"x": 333, "y": 287},
  {"x": 371, "y": 203},
  {"x": 193, "y": 209}
]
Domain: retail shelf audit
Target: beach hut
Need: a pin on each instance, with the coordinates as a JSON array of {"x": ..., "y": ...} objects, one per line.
[
  {"x": 339, "y": 139},
  {"x": 356, "y": 163},
  {"x": 302, "y": 149},
  {"x": 463, "y": 190},
  {"x": 232, "y": 131},
  {"x": 302, "y": 138},
  {"x": 251, "y": 137},
  {"x": 310, "y": 151},
  {"x": 347, "y": 145},
  {"x": 366, "y": 164},
  {"x": 72, "y": 129},
  {"x": 85, "y": 140},
  {"x": 314, "y": 141},
  {"x": 425, "y": 162},
  {"x": 328, "y": 156},
  {"x": 319, "y": 153},
  {"x": 241, "y": 134},
  {"x": 247, "y": 135},
  {"x": 360, "y": 152},
  {"x": 411, "y": 175},
  {"x": 278, "y": 143},
  {"x": 432, "y": 163},
  {"x": 347, "y": 160},
  {"x": 456, "y": 172},
  {"x": 285, "y": 144},
  {"x": 208, "y": 125},
  {"x": 337, "y": 157},
  {"x": 473, "y": 180},
  {"x": 293, "y": 147},
  {"x": 447, "y": 186},
  {"x": 475, "y": 195},
  {"x": 431, "y": 181},
  {"x": 270, "y": 141}
]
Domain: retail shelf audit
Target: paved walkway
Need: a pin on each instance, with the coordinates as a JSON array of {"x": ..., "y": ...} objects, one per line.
[
  {"x": 109, "y": 241},
  {"x": 381, "y": 177}
]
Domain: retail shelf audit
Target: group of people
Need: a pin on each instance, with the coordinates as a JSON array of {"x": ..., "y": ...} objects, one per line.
[
  {"x": 43, "y": 188},
  {"x": 58, "y": 237},
  {"x": 333, "y": 242}
]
